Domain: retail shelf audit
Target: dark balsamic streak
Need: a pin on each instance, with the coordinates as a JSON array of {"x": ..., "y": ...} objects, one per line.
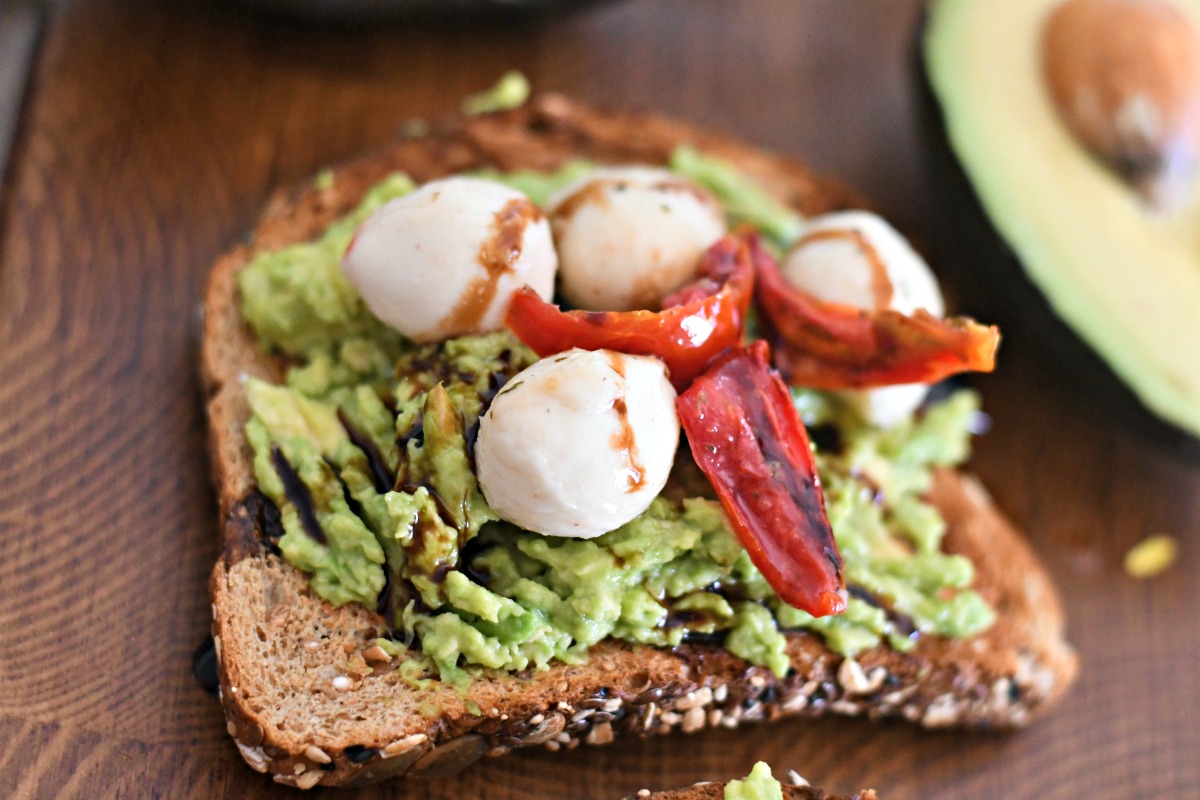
[
  {"x": 466, "y": 558},
  {"x": 731, "y": 592},
  {"x": 388, "y": 398},
  {"x": 714, "y": 638},
  {"x": 470, "y": 436},
  {"x": 904, "y": 624},
  {"x": 355, "y": 507},
  {"x": 381, "y": 475},
  {"x": 854, "y": 590},
  {"x": 443, "y": 510},
  {"x": 396, "y": 595},
  {"x": 265, "y": 515},
  {"x": 827, "y": 438},
  {"x": 414, "y": 434},
  {"x": 298, "y": 495},
  {"x": 496, "y": 381},
  {"x": 686, "y": 619},
  {"x": 384, "y": 604}
]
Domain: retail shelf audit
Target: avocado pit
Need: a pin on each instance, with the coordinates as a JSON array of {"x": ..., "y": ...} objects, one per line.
[{"x": 1124, "y": 76}]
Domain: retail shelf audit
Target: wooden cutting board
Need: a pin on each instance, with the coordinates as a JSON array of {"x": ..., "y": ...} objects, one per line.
[{"x": 150, "y": 135}]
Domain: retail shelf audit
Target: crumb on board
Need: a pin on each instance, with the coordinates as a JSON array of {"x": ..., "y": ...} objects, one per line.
[
  {"x": 796, "y": 779},
  {"x": 1151, "y": 556}
]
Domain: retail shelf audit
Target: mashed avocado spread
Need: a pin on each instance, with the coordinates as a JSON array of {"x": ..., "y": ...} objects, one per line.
[
  {"x": 760, "y": 784},
  {"x": 366, "y": 449}
]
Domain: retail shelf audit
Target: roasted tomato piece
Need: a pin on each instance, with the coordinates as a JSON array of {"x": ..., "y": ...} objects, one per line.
[
  {"x": 833, "y": 346},
  {"x": 696, "y": 324},
  {"x": 748, "y": 439}
]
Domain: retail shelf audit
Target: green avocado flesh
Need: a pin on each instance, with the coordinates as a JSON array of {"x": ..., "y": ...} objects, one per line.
[
  {"x": 1124, "y": 276},
  {"x": 760, "y": 784},
  {"x": 366, "y": 451}
]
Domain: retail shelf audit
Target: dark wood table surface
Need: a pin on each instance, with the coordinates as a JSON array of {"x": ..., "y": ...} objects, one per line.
[{"x": 149, "y": 135}]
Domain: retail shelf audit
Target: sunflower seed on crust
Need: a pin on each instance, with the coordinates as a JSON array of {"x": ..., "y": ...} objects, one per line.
[
  {"x": 316, "y": 754},
  {"x": 601, "y": 734},
  {"x": 376, "y": 655},
  {"x": 402, "y": 746},
  {"x": 856, "y": 680},
  {"x": 309, "y": 779},
  {"x": 693, "y": 720},
  {"x": 254, "y": 756}
]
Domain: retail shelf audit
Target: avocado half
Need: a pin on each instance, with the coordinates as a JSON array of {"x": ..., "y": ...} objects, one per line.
[{"x": 1125, "y": 277}]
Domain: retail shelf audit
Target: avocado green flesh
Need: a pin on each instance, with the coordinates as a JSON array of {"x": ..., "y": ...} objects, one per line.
[
  {"x": 744, "y": 201},
  {"x": 298, "y": 301},
  {"x": 760, "y": 784},
  {"x": 1125, "y": 277},
  {"x": 365, "y": 451},
  {"x": 539, "y": 186}
]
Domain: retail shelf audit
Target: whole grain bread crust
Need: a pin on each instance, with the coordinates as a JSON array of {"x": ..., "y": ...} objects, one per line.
[
  {"x": 308, "y": 700},
  {"x": 716, "y": 791}
]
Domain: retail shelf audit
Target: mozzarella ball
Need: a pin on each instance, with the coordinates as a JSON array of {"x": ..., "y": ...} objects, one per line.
[
  {"x": 444, "y": 260},
  {"x": 886, "y": 406},
  {"x": 628, "y": 236},
  {"x": 856, "y": 258},
  {"x": 579, "y": 443}
]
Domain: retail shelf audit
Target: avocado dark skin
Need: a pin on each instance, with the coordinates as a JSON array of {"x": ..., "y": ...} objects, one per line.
[{"x": 989, "y": 279}]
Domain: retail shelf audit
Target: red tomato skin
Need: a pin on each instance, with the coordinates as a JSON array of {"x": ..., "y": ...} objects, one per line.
[
  {"x": 826, "y": 345},
  {"x": 748, "y": 439},
  {"x": 695, "y": 326}
]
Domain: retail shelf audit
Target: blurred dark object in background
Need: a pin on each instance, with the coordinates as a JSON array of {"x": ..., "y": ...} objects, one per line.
[
  {"x": 448, "y": 10},
  {"x": 19, "y": 26}
]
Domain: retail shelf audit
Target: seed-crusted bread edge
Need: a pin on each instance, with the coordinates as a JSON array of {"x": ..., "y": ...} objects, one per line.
[
  {"x": 375, "y": 724},
  {"x": 716, "y": 791}
]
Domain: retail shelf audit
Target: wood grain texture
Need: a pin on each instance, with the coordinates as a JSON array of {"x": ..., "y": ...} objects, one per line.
[{"x": 154, "y": 134}]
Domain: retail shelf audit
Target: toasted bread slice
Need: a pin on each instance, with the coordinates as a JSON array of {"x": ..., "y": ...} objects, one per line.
[
  {"x": 292, "y": 699},
  {"x": 716, "y": 791}
]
